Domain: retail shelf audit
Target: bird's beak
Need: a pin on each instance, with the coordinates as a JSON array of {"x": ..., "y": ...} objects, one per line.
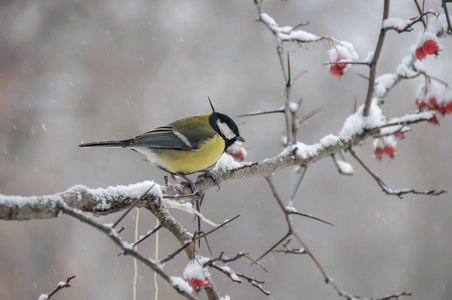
[{"x": 239, "y": 138}]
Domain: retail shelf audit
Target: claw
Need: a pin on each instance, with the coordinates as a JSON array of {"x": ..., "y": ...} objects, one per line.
[{"x": 215, "y": 178}]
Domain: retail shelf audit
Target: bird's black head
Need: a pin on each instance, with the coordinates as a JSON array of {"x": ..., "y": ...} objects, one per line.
[{"x": 226, "y": 128}]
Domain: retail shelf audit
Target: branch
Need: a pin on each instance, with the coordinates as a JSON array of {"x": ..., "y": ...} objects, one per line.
[
  {"x": 446, "y": 12},
  {"x": 374, "y": 61},
  {"x": 114, "y": 199},
  {"x": 399, "y": 193},
  {"x": 61, "y": 285},
  {"x": 126, "y": 247},
  {"x": 307, "y": 251}
]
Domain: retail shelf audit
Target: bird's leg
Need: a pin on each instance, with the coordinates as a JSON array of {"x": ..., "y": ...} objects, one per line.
[{"x": 215, "y": 178}]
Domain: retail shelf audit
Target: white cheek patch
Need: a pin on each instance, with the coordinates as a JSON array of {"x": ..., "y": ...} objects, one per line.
[
  {"x": 183, "y": 138},
  {"x": 225, "y": 130}
]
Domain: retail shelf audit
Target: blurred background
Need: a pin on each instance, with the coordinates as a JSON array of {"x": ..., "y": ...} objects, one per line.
[{"x": 77, "y": 70}]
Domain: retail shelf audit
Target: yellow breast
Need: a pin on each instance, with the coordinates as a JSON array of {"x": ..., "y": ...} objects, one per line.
[{"x": 186, "y": 162}]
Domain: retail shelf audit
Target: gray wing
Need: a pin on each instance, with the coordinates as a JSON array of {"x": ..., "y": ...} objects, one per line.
[{"x": 166, "y": 137}]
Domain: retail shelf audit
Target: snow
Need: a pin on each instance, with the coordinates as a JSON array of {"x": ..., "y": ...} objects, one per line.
[
  {"x": 43, "y": 297},
  {"x": 299, "y": 35},
  {"x": 438, "y": 25},
  {"x": 293, "y": 107},
  {"x": 425, "y": 36},
  {"x": 269, "y": 21},
  {"x": 383, "y": 83},
  {"x": 343, "y": 51},
  {"x": 405, "y": 69},
  {"x": 62, "y": 284},
  {"x": 390, "y": 140},
  {"x": 226, "y": 163},
  {"x": 345, "y": 167},
  {"x": 103, "y": 195},
  {"x": 287, "y": 33},
  {"x": 435, "y": 89},
  {"x": 100, "y": 194},
  {"x": 356, "y": 123},
  {"x": 194, "y": 270},
  {"x": 426, "y": 115},
  {"x": 393, "y": 129},
  {"x": 231, "y": 273},
  {"x": 369, "y": 57},
  {"x": 329, "y": 140},
  {"x": 305, "y": 151},
  {"x": 291, "y": 209},
  {"x": 181, "y": 284},
  {"x": 397, "y": 23}
]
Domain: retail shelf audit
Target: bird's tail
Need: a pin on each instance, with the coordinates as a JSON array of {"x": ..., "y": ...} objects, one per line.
[{"x": 118, "y": 144}]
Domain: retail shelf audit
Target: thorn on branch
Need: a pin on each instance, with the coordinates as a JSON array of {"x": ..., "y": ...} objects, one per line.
[
  {"x": 273, "y": 247},
  {"x": 309, "y": 216},
  {"x": 132, "y": 206}
]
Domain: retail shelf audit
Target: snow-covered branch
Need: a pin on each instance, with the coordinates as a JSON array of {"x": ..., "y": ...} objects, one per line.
[{"x": 113, "y": 199}]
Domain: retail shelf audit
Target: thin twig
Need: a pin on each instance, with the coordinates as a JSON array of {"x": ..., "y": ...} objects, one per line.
[
  {"x": 255, "y": 283},
  {"x": 421, "y": 10},
  {"x": 61, "y": 286},
  {"x": 399, "y": 193}
]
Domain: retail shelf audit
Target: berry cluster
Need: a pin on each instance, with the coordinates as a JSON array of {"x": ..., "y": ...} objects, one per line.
[
  {"x": 197, "y": 284},
  {"x": 427, "y": 45},
  {"x": 435, "y": 96},
  {"x": 196, "y": 276},
  {"x": 386, "y": 145},
  {"x": 342, "y": 52},
  {"x": 338, "y": 69},
  {"x": 238, "y": 151}
]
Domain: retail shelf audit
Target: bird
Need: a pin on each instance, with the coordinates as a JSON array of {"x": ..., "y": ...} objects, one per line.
[{"x": 189, "y": 145}]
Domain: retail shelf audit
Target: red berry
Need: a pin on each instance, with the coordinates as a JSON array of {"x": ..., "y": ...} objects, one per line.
[
  {"x": 389, "y": 150},
  {"x": 238, "y": 155},
  {"x": 442, "y": 109},
  {"x": 430, "y": 47},
  {"x": 431, "y": 103},
  {"x": 420, "y": 54},
  {"x": 336, "y": 70},
  {"x": 433, "y": 120},
  {"x": 195, "y": 283},
  {"x": 449, "y": 107},
  {"x": 378, "y": 152},
  {"x": 399, "y": 135}
]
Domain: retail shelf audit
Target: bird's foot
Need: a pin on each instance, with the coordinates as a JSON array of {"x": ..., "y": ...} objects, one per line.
[{"x": 215, "y": 178}]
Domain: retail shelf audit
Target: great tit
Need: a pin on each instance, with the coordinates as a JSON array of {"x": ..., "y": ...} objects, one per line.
[{"x": 184, "y": 146}]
